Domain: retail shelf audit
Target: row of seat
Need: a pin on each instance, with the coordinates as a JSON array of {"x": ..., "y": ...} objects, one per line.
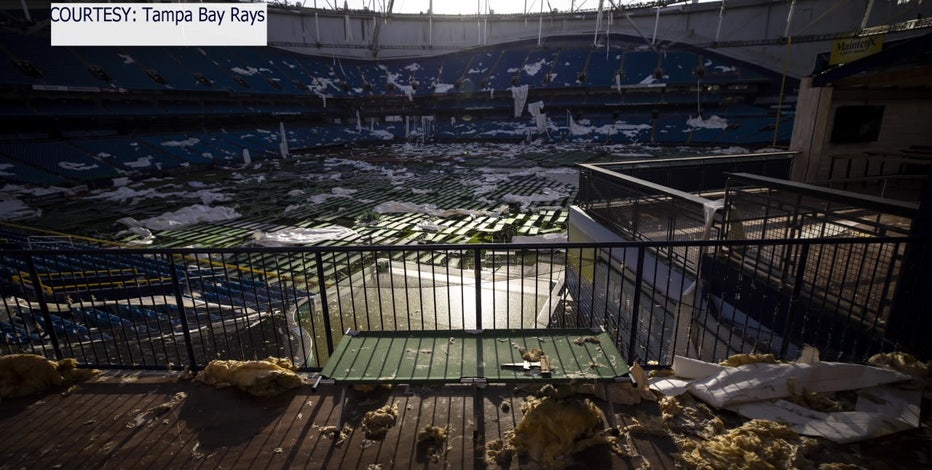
[
  {"x": 96, "y": 159},
  {"x": 273, "y": 71}
]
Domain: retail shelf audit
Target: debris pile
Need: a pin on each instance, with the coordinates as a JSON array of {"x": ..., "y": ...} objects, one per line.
[
  {"x": 337, "y": 435},
  {"x": 26, "y": 374},
  {"x": 149, "y": 416},
  {"x": 756, "y": 444},
  {"x": 432, "y": 442},
  {"x": 837, "y": 401},
  {"x": 738, "y": 360},
  {"x": 551, "y": 431},
  {"x": 259, "y": 378},
  {"x": 900, "y": 362},
  {"x": 376, "y": 423}
]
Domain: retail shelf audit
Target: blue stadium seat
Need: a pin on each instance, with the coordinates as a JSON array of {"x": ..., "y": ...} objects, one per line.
[{"x": 60, "y": 159}]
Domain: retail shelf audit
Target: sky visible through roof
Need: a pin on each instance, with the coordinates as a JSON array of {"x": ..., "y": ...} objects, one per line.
[{"x": 450, "y": 7}]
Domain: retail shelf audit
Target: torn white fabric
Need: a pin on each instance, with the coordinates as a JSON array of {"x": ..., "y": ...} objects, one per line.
[
  {"x": 303, "y": 236},
  {"x": 755, "y": 382},
  {"x": 540, "y": 119},
  {"x": 756, "y": 390},
  {"x": 879, "y": 411},
  {"x": 519, "y": 94}
]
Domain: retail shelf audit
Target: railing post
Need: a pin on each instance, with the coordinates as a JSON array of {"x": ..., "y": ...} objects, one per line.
[
  {"x": 325, "y": 308},
  {"x": 794, "y": 299},
  {"x": 182, "y": 314},
  {"x": 636, "y": 303},
  {"x": 477, "y": 268},
  {"x": 46, "y": 315}
]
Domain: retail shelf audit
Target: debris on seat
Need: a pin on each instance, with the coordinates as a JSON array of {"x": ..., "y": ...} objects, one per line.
[
  {"x": 265, "y": 378},
  {"x": 27, "y": 374}
]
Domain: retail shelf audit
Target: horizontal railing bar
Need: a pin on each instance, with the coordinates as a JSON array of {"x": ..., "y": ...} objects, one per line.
[
  {"x": 889, "y": 206},
  {"x": 471, "y": 246}
]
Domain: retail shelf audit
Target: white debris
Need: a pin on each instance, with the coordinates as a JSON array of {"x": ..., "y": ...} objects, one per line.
[
  {"x": 395, "y": 207},
  {"x": 74, "y": 166},
  {"x": 428, "y": 227},
  {"x": 545, "y": 238},
  {"x": 303, "y": 236},
  {"x": 443, "y": 87},
  {"x": 14, "y": 209},
  {"x": 184, "y": 217},
  {"x": 756, "y": 391},
  {"x": 713, "y": 122},
  {"x": 519, "y": 94},
  {"x": 141, "y": 162},
  {"x": 248, "y": 71},
  {"x": 182, "y": 143},
  {"x": 532, "y": 69}
]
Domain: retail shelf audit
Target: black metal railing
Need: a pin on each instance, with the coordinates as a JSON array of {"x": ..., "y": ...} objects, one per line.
[
  {"x": 176, "y": 309},
  {"x": 668, "y": 199}
]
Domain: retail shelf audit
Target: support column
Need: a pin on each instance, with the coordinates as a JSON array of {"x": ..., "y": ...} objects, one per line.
[{"x": 811, "y": 131}]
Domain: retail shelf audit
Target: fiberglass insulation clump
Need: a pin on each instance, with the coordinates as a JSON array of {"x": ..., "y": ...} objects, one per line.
[
  {"x": 551, "y": 431},
  {"x": 260, "y": 378},
  {"x": 756, "y": 444},
  {"x": 26, "y": 374},
  {"x": 376, "y": 423}
]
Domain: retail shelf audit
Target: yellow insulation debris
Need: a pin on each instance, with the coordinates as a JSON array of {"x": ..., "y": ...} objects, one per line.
[
  {"x": 376, "y": 423},
  {"x": 757, "y": 444},
  {"x": 900, "y": 362},
  {"x": 337, "y": 435},
  {"x": 687, "y": 417},
  {"x": 744, "y": 359},
  {"x": 26, "y": 374},
  {"x": 432, "y": 442},
  {"x": 260, "y": 378},
  {"x": 551, "y": 431}
]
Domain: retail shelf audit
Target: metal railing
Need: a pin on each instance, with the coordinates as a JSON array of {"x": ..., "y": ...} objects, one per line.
[
  {"x": 668, "y": 199},
  {"x": 296, "y": 302}
]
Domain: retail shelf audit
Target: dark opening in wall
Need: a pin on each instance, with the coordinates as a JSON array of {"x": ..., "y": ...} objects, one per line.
[{"x": 857, "y": 124}]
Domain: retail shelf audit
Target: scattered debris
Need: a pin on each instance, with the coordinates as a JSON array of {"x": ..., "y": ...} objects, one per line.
[
  {"x": 686, "y": 417},
  {"x": 532, "y": 355},
  {"x": 432, "y": 442},
  {"x": 799, "y": 395},
  {"x": 259, "y": 378},
  {"x": 369, "y": 388},
  {"x": 159, "y": 410},
  {"x": 756, "y": 444},
  {"x": 900, "y": 362},
  {"x": 587, "y": 339},
  {"x": 551, "y": 431},
  {"x": 820, "y": 402},
  {"x": 337, "y": 435},
  {"x": 501, "y": 451},
  {"x": 375, "y": 424},
  {"x": 27, "y": 374},
  {"x": 744, "y": 359},
  {"x": 505, "y": 407}
]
